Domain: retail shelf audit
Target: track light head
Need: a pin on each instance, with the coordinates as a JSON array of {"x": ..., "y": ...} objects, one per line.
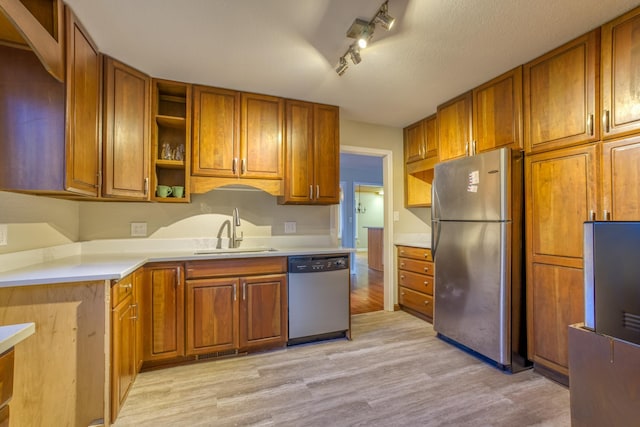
[
  {"x": 383, "y": 18},
  {"x": 342, "y": 66},
  {"x": 354, "y": 53}
]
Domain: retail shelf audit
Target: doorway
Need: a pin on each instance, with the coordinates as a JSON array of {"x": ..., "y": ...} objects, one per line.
[{"x": 379, "y": 185}]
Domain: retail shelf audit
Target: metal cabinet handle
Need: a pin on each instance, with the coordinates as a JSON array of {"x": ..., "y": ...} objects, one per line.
[
  {"x": 592, "y": 215},
  {"x": 310, "y": 192},
  {"x": 317, "y": 192},
  {"x": 590, "y": 124},
  {"x": 605, "y": 121},
  {"x": 402, "y": 251},
  {"x": 135, "y": 308},
  {"x": 426, "y": 283},
  {"x": 402, "y": 276},
  {"x": 402, "y": 293},
  {"x": 243, "y": 166},
  {"x": 426, "y": 303},
  {"x": 466, "y": 149},
  {"x": 402, "y": 264},
  {"x": 234, "y": 165},
  {"x": 146, "y": 186},
  {"x": 244, "y": 291},
  {"x": 473, "y": 148},
  {"x": 606, "y": 215},
  {"x": 426, "y": 269},
  {"x": 178, "y": 274},
  {"x": 235, "y": 296},
  {"x": 126, "y": 286}
]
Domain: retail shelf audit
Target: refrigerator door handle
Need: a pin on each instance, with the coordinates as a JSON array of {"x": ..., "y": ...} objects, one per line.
[{"x": 435, "y": 236}]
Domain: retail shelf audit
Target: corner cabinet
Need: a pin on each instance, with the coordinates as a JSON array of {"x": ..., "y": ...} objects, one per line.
[
  {"x": 312, "y": 153},
  {"x": 126, "y": 148},
  {"x": 171, "y": 136},
  {"x": 83, "y": 110},
  {"x": 415, "y": 281}
]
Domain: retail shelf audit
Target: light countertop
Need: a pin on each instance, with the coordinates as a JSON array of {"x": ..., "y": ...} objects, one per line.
[
  {"x": 10, "y": 335},
  {"x": 417, "y": 240},
  {"x": 109, "y": 266}
]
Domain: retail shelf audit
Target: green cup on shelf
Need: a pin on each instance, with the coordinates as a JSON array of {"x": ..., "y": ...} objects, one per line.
[
  {"x": 164, "y": 191},
  {"x": 178, "y": 191}
]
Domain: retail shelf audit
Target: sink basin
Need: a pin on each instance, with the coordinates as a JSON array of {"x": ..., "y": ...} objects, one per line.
[{"x": 233, "y": 251}]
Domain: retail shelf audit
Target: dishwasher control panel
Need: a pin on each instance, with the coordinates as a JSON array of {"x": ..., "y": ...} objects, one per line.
[{"x": 316, "y": 264}]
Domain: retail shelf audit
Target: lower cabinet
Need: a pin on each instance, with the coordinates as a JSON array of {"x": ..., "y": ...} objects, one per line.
[
  {"x": 6, "y": 385},
  {"x": 227, "y": 313},
  {"x": 415, "y": 281}
]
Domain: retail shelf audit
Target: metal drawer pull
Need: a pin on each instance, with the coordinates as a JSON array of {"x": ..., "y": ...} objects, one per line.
[
  {"x": 426, "y": 303},
  {"x": 135, "y": 316},
  {"x": 402, "y": 264},
  {"x": 402, "y": 276},
  {"x": 426, "y": 269},
  {"x": 426, "y": 283},
  {"x": 127, "y": 286},
  {"x": 402, "y": 293}
]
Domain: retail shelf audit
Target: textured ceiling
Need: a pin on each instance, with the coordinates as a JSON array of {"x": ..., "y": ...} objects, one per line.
[{"x": 290, "y": 48}]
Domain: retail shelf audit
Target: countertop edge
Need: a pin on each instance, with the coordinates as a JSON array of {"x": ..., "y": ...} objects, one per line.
[{"x": 10, "y": 335}]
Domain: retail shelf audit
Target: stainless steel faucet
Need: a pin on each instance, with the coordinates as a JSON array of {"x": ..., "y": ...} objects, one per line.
[{"x": 235, "y": 240}]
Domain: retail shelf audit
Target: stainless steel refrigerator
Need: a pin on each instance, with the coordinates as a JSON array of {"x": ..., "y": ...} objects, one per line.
[{"x": 477, "y": 243}]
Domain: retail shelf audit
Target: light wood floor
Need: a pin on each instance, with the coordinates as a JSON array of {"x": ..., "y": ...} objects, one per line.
[
  {"x": 394, "y": 372},
  {"x": 367, "y": 287}
]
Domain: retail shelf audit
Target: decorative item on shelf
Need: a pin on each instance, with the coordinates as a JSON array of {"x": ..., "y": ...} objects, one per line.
[
  {"x": 178, "y": 153},
  {"x": 166, "y": 154},
  {"x": 177, "y": 190},
  {"x": 360, "y": 209},
  {"x": 362, "y": 31}
]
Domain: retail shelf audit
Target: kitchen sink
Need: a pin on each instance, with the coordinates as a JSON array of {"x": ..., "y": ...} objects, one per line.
[{"x": 233, "y": 251}]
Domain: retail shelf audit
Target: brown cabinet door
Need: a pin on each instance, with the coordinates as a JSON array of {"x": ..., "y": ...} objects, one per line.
[
  {"x": 261, "y": 145},
  {"x": 299, "y": 172},
  {"x": 431, "y": 136},
  {"x": 326, "y": 151},
  {"x": 212, "y": 315},
  {"x": 621, "y": 175},
  {"x": 497, "y": 112},
  {"x": 263, "y": 311},
  {"x": 454, "y": 127},
  {"x": 619, "y": 79},
  {"x": 125, "y": 153},
  {"x": 561, "y": 193},
  {"x": 83, "y": 110},
  {"x": 163, "y": 308},
  {"x": 414, "y": 142},
  {"x": 123, "y": 363},
  {"x": 216, "y": 132},
  {"x": 561, "y": 96}
]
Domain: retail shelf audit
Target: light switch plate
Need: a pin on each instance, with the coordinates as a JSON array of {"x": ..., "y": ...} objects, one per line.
[
  {"x": 396, "y": 216},
  {"x": 138, "y": 229},
  {"x": 290, "y": 227},
  {"x": 3, "y": 235}
]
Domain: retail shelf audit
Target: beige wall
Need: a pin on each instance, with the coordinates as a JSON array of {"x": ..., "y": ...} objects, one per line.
[{"x": 36, "y": 222}]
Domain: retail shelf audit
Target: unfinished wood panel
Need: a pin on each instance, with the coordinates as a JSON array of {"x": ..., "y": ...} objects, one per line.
[{"x": 60, "y": 371}]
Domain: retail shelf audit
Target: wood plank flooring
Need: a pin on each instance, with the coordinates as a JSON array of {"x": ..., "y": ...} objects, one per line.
[
  {"x": 367, "y": 287},
  {"x": 394, "y": 372}
]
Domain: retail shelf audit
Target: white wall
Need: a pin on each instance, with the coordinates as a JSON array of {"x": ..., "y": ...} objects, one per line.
[{"x": 372, "y": 217}]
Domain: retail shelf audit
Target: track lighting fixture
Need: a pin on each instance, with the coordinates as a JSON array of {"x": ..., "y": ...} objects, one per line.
[{"x": 362, "y": 31}]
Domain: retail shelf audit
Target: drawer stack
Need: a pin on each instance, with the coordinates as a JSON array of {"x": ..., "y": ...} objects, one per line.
[{"x": 415, "y": 281}]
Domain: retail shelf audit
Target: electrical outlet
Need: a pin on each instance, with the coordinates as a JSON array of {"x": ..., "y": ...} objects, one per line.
[
  {"x": 3, "y": 234},
  {"x": 138, "y": 229},
  {"x": 290, "y": 227}
]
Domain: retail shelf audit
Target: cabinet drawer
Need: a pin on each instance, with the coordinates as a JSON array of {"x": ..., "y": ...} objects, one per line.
[
  {"x": 236, "y": 267},
  {"x": 415, "y": 253},
  {"x": 121, "y": 289},
  {"x": 6, "y": 376},
  {"x": 422, "y": 267},
  {"x": 417, "y": 301},
  {"x": 417, "y": 282}
]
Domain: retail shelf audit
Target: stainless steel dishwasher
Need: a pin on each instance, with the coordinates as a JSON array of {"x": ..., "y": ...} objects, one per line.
[{"x": 318, "y": 297}]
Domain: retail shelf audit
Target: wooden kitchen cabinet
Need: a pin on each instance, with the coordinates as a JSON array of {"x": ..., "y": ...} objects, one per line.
[
  {"x": 561, "y": 192},
  {"x": 124, "y": 320},
  {"x": 497, "y": 113},
  {"x": 163, "y": 312},
  {"x": 416, "y": 281},
  {"x": 619, "y": 76},
  {"x": 170, "y": 134},
  {"x": 216, "y": 132},
  {"x": 236, "y": 304},
  {"x": 212, "y": 310},
  {"x": 37, "y": 25},
  {"x": 620, "y": 178},
  {"x": 421, "y": 155},
  {"x": 312, "y": 152},
  {"x": 6, "y": 385},
  {"x": 455, "y": 128},
  {"x": 561, "y": 96},
  {"x": 126, "y": 146},
  {"x": 83, "y": 110}
]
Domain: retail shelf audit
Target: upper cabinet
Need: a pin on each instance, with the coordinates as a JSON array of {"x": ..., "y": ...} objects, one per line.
[
  {"x": 561, "y": 96},
  {"x": 619, "y": 77},
  {"x": 53, "y": 149},
  {"x": 237, "y": 140},
  {"x": 37, "y": 25},
  {"x": 83, "y": 110},
  {"x": 421, "y": 140},
  {"x": 170, "y": 136},
  {"x": 421, "y": 155},
  {"x": 497, "y": 113},
  {"x": 312, "y": 152},
  {"x": 454, "y": 128},
  {"x": 126, "y": 128}
]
